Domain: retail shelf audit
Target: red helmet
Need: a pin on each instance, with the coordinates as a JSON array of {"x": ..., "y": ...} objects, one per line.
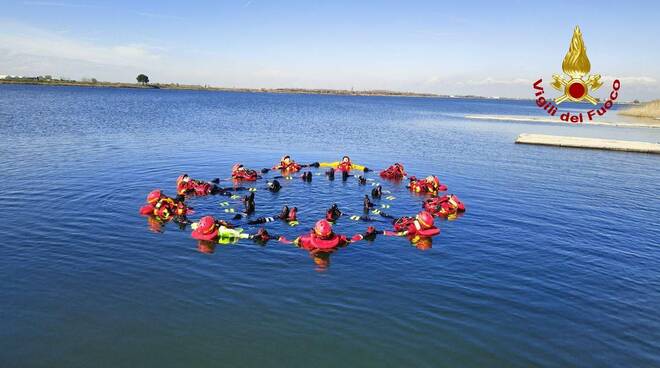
[
  {"x": 425, "y": 219},
  {"x": 206, "y": 224},
  {"x": 236, "y": 167},
  {"x": 154, "y": 196},
  {"x": 323, "y": 228},
  {"x": 206, "y": 229}
]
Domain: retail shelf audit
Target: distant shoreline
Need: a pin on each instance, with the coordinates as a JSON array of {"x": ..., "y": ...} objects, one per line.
[
  {"x": 302, "y": 91},
  {"x": 649, "y": 109},
  {"x": 192, "y": 87}
]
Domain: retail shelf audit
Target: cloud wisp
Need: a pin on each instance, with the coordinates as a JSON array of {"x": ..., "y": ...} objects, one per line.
[{"x": 16, "y": 39}]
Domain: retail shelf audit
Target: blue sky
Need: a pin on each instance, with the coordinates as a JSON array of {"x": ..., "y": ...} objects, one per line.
[{"x": 484, "y": 48}]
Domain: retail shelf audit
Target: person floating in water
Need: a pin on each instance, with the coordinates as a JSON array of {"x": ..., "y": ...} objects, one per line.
[
  {"x": 322, "y": 241},
  {"x": 209, "y": 228},
  {"x": 164, "y": 207},
  {"x": 287, "y": 165},
  {"x": 274, "y": 186},
  {"x": 248, "y": 202},
  {"x": 209, "y": 232},
  {"x": 289, "y": 215},
  {"x": 345, "y": 165},
  {"x": 239, "y": 172},
  {"x": 430, "y": 185},
  {"x": 445, "y": 206},
  {"x": 421, "y": 225},
  {"x": 333, "y": 213},
  {"x": 377, "y": 192},
  {"x": 394, "y": 172},
  {"x": 188, "y": 186}
]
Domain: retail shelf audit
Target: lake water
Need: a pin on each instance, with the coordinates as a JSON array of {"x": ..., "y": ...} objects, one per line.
[{"x": 555, "y": 263}]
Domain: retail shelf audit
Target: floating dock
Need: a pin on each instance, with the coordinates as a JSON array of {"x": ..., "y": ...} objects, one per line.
[
  {"x": 641, "y": 123},
  {"x": 590, "y": 143}
]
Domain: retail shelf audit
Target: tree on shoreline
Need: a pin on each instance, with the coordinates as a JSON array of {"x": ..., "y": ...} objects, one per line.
[{"x": 142, "y": 79}]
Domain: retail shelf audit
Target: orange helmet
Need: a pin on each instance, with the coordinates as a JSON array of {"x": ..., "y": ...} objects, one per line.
[
  {"x": 323, "y": 228},
  {"x": 154, "y": 196},
  {"x": 425, "y": 219}
]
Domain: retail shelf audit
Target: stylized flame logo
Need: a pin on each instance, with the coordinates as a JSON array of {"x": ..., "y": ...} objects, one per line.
[{"x": 576, "y": 65}]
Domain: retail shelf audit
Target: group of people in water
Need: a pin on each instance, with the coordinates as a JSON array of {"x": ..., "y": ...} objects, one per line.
[{"x": 321, "y": 240}]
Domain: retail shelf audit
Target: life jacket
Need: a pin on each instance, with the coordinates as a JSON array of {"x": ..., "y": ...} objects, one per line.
[
  {"x": 345, "y": 166},
  {"x": 415, "y": 229},
  {"x": 313, "y": 242},
  {"x": 423, "y": 186},
  {"x": 444, "y": 206},
  {"x": 402, "y": 223},
  {"x": 432, "y": 204},
  {"x": 200, "y": 188},
  {"x": 163, "y": 209},
  {"x": 180, "y": 209},
  {"x": 183, "y": 187},
  {"x": 244, "y": 174},
  {"x": 147, "y": 210},
  {"x": 160, "y": 210},
  {"x": 454, "y": 201},
  {"x": 291, "y": 167},
  {"x": 419, "y": 186},
  {"x": 167, "y": 207},
  {"x": 395, "y": 171}
]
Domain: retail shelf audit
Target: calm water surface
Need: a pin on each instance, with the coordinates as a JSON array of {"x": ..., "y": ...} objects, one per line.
[{"x": 554, "y": 264}]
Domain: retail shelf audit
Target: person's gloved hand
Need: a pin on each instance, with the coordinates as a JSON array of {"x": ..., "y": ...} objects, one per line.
[
  {"x": 366, "y": 169},
  {"x": 357, "y": 237},
  {"x": 315, "y": 164},
  {"x": 264, "y": 170}
]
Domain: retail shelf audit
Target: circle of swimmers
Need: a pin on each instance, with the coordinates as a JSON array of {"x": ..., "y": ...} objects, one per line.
[{"x": 321, "y": 240}]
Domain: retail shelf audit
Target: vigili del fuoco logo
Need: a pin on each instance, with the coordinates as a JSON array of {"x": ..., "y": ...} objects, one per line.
[{"x": 576, "y": 86}]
